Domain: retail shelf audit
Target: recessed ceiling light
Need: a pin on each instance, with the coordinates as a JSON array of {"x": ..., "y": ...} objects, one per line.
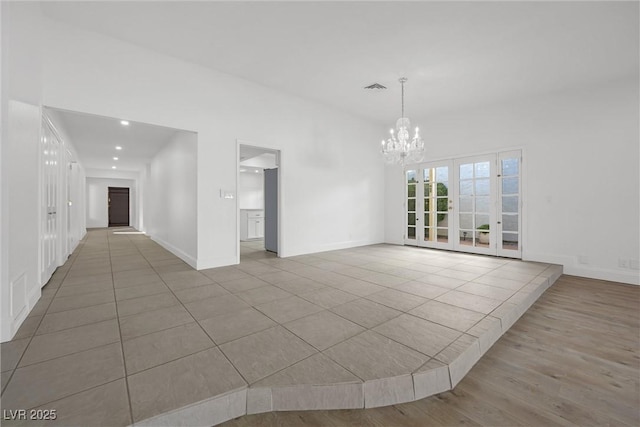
[
  {"x": 115, "y": 158},
  {"x": 243, "y": 170},
  {"x": 124, "y": 123},
  {"x": 113, "y": 167},
  {"x": 118, "y": 147},
  {"x": 256, "y": 171}
]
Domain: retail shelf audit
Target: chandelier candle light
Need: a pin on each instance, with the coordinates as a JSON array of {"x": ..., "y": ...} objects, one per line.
[{"x": 399, "y": 148}]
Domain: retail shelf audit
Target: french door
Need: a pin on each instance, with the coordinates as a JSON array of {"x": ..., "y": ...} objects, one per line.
[
  {"x": 49, "y": 203},
  {"x": 429, "y": 205},
  {"x": 470, "y": 204}
]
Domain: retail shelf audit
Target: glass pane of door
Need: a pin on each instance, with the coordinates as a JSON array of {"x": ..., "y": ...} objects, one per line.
[
  {"x": 411, "y": 177},
  {"x": 509, "y": 222},
  {"x": 437, "y": 203}
]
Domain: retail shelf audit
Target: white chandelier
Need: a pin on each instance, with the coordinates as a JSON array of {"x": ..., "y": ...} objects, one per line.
[{"x": 399, "y": 148}]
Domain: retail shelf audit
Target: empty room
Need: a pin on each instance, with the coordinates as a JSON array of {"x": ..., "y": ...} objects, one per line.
[{"x": 310, "y": 213}]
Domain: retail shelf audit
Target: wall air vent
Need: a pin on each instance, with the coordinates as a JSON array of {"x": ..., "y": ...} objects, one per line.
[{"x": 375, "y": 86}]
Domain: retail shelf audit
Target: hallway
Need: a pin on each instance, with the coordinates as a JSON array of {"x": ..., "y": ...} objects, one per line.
[{"x": 125, "y": 331}]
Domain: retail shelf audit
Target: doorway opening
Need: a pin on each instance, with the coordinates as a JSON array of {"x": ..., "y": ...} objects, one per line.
[
  {"x": 118, "y": 204},
  {"x": 258, "y": 202}
]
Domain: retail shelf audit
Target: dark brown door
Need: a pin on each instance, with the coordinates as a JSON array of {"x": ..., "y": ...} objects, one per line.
[{"x": 118, "y": 207}]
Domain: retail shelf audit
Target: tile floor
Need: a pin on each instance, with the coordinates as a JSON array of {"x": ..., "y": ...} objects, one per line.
[{"x": 127, "y": 333}]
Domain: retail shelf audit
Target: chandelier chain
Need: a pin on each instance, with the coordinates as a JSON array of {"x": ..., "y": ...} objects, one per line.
[{"x": 402, "y": 82}]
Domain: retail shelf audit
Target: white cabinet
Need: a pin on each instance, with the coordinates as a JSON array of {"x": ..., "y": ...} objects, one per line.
[{"x": 251, "y": 224}]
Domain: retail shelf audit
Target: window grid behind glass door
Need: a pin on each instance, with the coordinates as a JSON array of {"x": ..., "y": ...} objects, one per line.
[
  {"x": 412, "y": 184},
  {"x": 510, "y": 203}
]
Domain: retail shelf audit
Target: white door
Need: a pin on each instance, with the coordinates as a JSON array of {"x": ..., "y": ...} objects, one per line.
[
  {"x": 470, "y": 205},
  {"x": 49, "y": 201},
  {"x": 509, "y": 204},
  {"x": 429, "y": 205},
  {"x": 475, "y": 204},
  {"x": 413, "y": 195}
]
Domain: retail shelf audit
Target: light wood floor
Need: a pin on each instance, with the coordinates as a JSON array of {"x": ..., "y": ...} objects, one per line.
[{"x": 572, "y": 359}]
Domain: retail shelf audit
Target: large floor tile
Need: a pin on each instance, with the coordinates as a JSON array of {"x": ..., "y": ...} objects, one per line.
[
  {"x": 69, "y": 341},
  {"x": 315, "y": 370},
  {"x": 287, "y": 309},
  {"x": 87, "y": 288},
  {"x": 329, "y": 297},
  {"x": 359, "y": 287},
  {"x": 373, "y": 356},
  {"x": 4, "y": 379},
  {"x": 86, "y": 279},
  {"x": 72, "y": 318},
  {"x": 238, "y": 324},
  {"x": 153, "y": 321},
  {"x": 469, "y": 301},
  {"x": 448, "y": 315},
  {"x": 278, "y": 277},
  {"x": 493, "y": 292},
  {"x": 419, "y": 334},
  {"x": 323, "y": 329},
  {"x": 262, "y": 295},
  {"x": 421, "y": 289},
  {"x": 133, "y": 306},
  {"x": 501, "y": 282},
  {"x": 200, "y": 293},
  {"x": 137, "y": 281},
  {"x": 11, "y": 352},
  {"x": 78, "y": 301},
  {"x": 154, "y": 349},
  {"x": 366, "y": 313},
  {"x": 185, "y": 279},
  {"x": 442, "y": 281},
  {"x": 397, "y": 300},
  {"x": 210, "y": 307},
  {"x": 137, "y": 291},
  {"x": 224, "y": 274},
  {"x": 261, "y": 354},
  {"x": 244, "y": 284},
  {"x": 106, "y": 405},
  {"x": 386, "y": 280},
  {"x": 300, "y": 285},
  {"x": 45, "y": 382},
  {"x": 28, "y": 327},
  {"x": 40, "y": 307},
  {"x": 182, "y": 382}
]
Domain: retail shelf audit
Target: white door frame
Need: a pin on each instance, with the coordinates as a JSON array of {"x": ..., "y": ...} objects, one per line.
[{"x": 278, "y": 153}]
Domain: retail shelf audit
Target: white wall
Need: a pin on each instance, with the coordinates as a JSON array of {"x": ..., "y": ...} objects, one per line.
[
  {"x": 332, "y": 174},
  {"x": 21, "y": 123},
  {"x": 251, "y": 190},
  {"x": 97, "y": 200},
  {"x": 581, "y": 176},
  {"x": 170, "y": 215}
]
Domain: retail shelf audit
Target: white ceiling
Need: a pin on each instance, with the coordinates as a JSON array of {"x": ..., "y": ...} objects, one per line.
[
  {"x": 95, "y": 139},
  {"x": 455, "y": 54},
  {"x": 254, "y": 159}
]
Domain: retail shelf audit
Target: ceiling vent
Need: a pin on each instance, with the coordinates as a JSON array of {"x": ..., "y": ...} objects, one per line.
[{"x": 375, "y": 86}]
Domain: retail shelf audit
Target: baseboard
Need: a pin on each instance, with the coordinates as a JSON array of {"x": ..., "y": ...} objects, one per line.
[
  {"x": 176, "y": 251},
  {"x": 10, "y": 323},
  {"x": 331, "y": 247},
  {"x": 571, "y": 267},
  {"x": 216, "y": 262}
]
